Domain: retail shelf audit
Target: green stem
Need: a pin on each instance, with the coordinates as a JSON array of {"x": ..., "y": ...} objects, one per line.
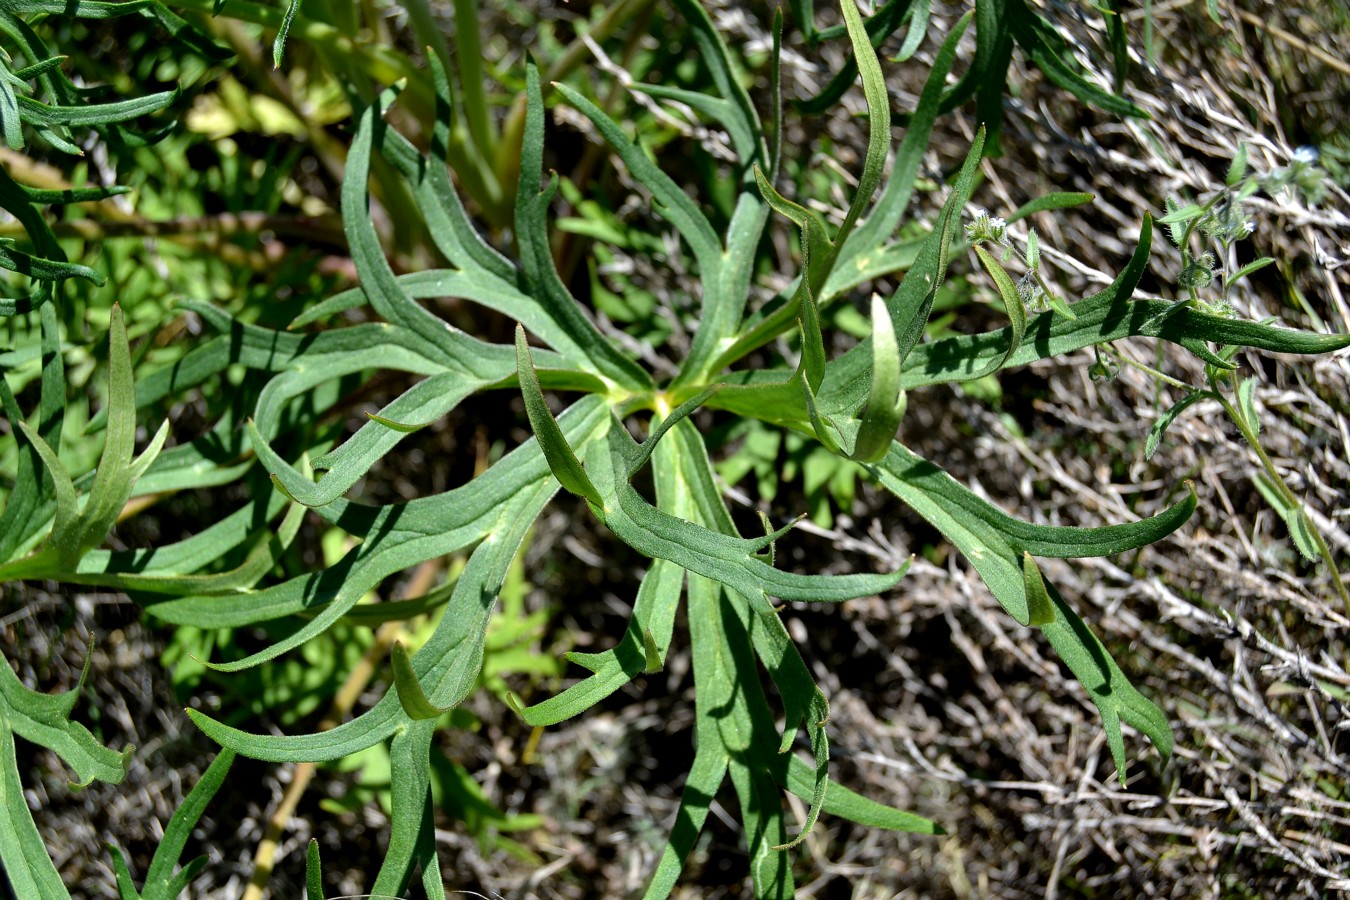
[{"x": 1146, "y": 368}]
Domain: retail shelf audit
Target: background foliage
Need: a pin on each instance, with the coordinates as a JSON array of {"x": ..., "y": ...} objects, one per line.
[{"x": 239, "y": 220}]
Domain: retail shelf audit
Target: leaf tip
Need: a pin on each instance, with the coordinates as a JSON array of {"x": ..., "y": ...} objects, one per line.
[
  {"x": 276, "y": 482},
  {"x": 801, "y": 836},
  {"x": 652, "y": 653}
]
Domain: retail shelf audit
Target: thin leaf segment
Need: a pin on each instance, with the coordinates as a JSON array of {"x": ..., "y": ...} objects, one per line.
[{"x": 853, "y": 405}]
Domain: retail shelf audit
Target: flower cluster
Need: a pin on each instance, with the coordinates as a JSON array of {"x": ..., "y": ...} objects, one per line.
[
  {"x": 1196, "y": 271},
  {"x": 1227, "y": 221},
  {"x": 985, "y": 227}
]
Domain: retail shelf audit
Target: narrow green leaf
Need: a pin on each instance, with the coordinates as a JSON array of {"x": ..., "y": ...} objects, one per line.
[
  {"x": 184, "y": 876},
  {"x": 410, "y": 693},
  {"x": 714, "y": 54},
  {"x": 451, "y": 228},
  {"x": 561, "y": 460},
  {"x": 94, "y": 113},
  {"x": 799, "y": 778},
  {"x": 816, "y": 245},
  {"x": 1058, "y": 305},
  {"x": 1053, "y": 200},
  {"x": 732, "y": 715},
  {"x": 728, "y": 560},
  {"x": 425, "y": 402},
  {"x": 117, "y": 470},
  {"x": 825, "y": 430},
  {"x": 918, "y": 16},
  {"x": 409, "y": 800},
  {"x": 911, "y": 305},
  {"x": 10, "y": 124},
  {"x": 1040, "y": 610},
  {"x": 864, "y": 246},
  {"x": 675, "y": 205},
  {"x": 744, "y": 143},
  {"x": 1012, "y": 303},
  {"x": 1292, "y": 512},
  {"x": 1155, "y": 433},
  {"x": 1177, "y": 215},
  {"x": 39, "y": 68},
  {"x": 43, "y": 719},
  {"x": 700, "y": 789},
  {"x": 813, "y": 359},
  {"x": 1046, "y": 48},
  {"x": 45, "y": 269},
  {"x": 1115, "y": 40},
  {"x": 401, "y": 427},
  {"x": 64, "y": 537},
  {"x": 425, "y": 333},
  {"x": 1105, "y": 316},
  {"x": 126, "y": 888},
  {"x": 885, "y": 398},
  {"x": 21, "y": 525},
  {"x": 27, "y": 866},
  {"x": 879, "y": 26},
  {"x": 1246, "y": 396},
  {"x": 499, "y": 507},
  {"x": 650, "y": 627},
  {"x": 313, "y": 872},
  {"x": 765, "y": 829},
  {"x": 159, "y": 884},
  {"x": 878, "y": 118},
  {"x": 995, "y": 544},
  {"x": 1033, "y": 250},
  {"x": 279, "y": 44},
  {"x": 531, "y": 218},
  {"x": 1254, "y": 266},
  {"x": 651, "y": 652},
  {"x": 1115, "y": 697},
  {"x": 1237, "y": 169}
]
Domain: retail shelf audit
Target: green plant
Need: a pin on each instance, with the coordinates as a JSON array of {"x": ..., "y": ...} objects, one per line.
[
  {"x": 851, "y": 406},
  {"x": 1222, "y": 219},
  {"x": 1001, "y": 26},
  {"x": 158, "y": 883}
]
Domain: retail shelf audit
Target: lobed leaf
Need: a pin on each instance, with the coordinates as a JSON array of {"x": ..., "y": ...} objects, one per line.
[
  {"x": 43, "y": 719},
  {"x": 160, "y": 882},
  {"x": 649, "y": 630},
  {"x": 675, "y": 205},
  {"x": 532, "y": 203},
  {"x": 860, "y": 251},
  {"x": 998, "y": 546}
]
